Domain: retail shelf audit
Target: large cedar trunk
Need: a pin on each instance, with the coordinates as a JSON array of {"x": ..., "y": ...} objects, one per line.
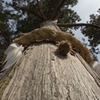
[{"x": 43, "y": 74}]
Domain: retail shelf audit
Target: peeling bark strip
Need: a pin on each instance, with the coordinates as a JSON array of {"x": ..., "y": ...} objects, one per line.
[{"x": 45, "y": 75}]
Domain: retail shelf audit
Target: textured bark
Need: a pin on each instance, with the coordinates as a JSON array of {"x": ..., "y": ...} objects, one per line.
[{"x": 45, "y": 75}]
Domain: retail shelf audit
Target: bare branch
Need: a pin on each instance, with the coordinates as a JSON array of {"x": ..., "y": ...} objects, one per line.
[
  {"x": 78, "y": 24},
  {"x": 57, "y": 9},
  {"x": 51, "y": 3},
  {"x": 44, "y": 17},
  {"x": 57, "y": 4},
  {"x": 31, "y": 11},
  {"x": 5, "y": 37}
]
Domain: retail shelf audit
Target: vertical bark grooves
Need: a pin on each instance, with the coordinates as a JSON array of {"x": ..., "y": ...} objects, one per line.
[{"x": 45, "y": 75}]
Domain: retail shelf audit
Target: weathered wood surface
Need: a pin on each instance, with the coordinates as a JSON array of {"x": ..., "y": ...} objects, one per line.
[
  {"x": 90, "y": 70},
  {"x": 45, "y": 75}
]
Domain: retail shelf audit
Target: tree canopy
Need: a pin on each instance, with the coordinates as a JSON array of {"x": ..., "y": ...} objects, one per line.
[
  {"x": 25, "y": 15},
  {"x": 29, "y": 14}
]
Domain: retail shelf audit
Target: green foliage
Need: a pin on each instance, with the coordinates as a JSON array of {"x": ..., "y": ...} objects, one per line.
[
  {"x": 4, "y": 29},
  {"x": 93, "y": 34},
  {"x": 27, "y": 24},
  {"x": 27, "y": 21},
  {"x": 95, "y": 58}
]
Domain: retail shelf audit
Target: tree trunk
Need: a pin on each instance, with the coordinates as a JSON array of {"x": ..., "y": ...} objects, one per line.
[{"x": 43, "y": 74}]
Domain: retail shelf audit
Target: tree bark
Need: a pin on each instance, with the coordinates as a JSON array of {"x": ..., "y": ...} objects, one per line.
[{"x": 43, "y": 74}]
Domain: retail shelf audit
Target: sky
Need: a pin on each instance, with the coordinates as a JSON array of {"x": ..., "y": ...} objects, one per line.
[{"x": 84, "y": 9}]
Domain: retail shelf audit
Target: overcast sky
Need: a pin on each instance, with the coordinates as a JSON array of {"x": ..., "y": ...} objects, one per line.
[{"x": 84, "y": 8}]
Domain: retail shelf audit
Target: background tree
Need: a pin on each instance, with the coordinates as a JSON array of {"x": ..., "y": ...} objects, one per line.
[
  {"x": 93, "y": 34},
  {"x": 5, "y": 29}
]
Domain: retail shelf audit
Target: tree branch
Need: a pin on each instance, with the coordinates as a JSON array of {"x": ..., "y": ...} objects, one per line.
[
  {"x": 31, "y": 11},
  {"x": 56, "y": 6},
  {"x": 5, "y": 37},
  {"x": 57, "y": 9},
  {"x": 78, "y": 24},
  {"x": 51, "y": 3},
  {"x": 43, "y": 16}
]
